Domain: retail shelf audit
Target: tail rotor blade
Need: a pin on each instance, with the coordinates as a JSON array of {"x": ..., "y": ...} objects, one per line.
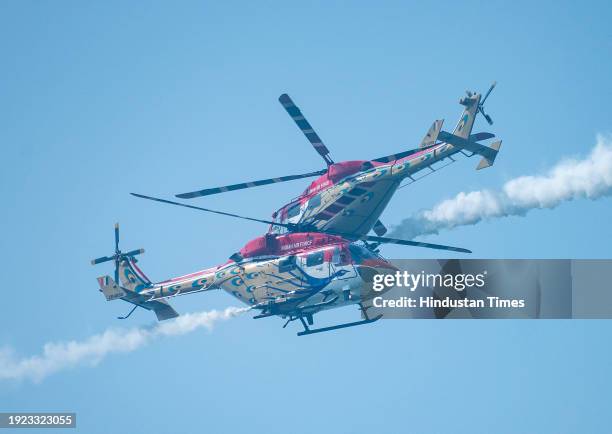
[
  {"x": 233, "y": 187},
  {"x": 134, "y": 252},
  {"x": 118, "y": 256},
  {"x": 305, "y": 127},
  {"x": 488, "y": 92},
  {"x": 102, "y": 259},
  {"x": 486, "y": 116},
  {"x": 116, "y": 237}
]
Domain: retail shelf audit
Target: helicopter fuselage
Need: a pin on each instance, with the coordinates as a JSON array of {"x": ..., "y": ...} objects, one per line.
[
  {"x": 353, "y": 194},
  {"x": 286, "y": 275}
]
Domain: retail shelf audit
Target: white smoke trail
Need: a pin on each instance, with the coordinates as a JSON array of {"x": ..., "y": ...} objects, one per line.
[
  {"x": 569, "y": 179},
  {"x": 57, "y": 356}
]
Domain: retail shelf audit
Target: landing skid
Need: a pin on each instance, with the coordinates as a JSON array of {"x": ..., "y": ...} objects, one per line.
[
  {"x": 128, "y": 315},
  {"x": 308, "y": 331}
]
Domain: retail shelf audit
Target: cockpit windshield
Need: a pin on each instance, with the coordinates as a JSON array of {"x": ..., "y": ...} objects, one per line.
[
  {"x": 278, "y": 230},
  {"x": 287, "y": 214},
  {"x": 275, "y": 229}
]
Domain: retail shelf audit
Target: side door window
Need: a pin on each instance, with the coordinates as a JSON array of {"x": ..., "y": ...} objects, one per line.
[
  {"x": 314, "y": 259},
  {"x": 287, "y": 264}
]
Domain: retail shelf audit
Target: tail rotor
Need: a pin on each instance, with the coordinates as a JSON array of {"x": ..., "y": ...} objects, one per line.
[
  {"x": 481, "y": 105},
  {"x": 118, "y": 256}
]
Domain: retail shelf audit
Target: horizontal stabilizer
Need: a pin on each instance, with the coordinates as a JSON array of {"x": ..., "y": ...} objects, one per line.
[
  {"x": 110, "y": 289},
  {"x": 162, "y": 309},
  {"x": 488, "y": 161},
  {"x": 487, "y": 152},
  {"x": 432, "y": 135},
  {"x": 481, "y": 136},
  {"x": 462, "y": 143}
]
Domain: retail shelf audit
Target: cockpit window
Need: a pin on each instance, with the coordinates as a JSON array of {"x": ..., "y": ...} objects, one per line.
[
  {"x": 275, "y": 229},
  {"x": 279, "y": 230},
  {"x": 314, "y": 201},
  {"x": 293, "y": 211}
]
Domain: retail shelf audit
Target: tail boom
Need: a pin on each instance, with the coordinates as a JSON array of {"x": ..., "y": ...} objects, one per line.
[{"x": 112, "y": 291}]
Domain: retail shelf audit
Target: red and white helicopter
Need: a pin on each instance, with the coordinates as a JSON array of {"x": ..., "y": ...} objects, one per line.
[
  {"x": 317, "y": 253},
  {"x": 350, "y": 196}
]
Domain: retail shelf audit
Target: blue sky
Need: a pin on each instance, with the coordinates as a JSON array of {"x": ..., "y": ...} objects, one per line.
[{"x": 102, "y": 99}]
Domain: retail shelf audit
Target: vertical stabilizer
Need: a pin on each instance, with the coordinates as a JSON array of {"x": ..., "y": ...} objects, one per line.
[
  {"x": 432, "y": 135},
  {"x": 466, "y": 122},
  {"x": 109, "y": 288},
  {"x": 131, "y": 276}
]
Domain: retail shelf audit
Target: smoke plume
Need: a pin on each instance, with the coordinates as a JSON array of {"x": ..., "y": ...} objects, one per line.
[
  {"x": 57, "y": 356},
  {"x": 569, "y": 179}
]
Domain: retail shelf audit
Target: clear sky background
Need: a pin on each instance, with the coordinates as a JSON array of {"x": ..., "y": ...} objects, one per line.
[{"x": 97, "y": 100}]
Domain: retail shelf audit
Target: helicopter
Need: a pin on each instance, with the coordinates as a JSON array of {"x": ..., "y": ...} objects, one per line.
[
  {"x": 316, "y": 254},
  {"x": 293, "y": 275},
  {"x": 349, "y": 197}
]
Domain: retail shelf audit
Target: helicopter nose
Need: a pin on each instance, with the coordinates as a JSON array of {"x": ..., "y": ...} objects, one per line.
[
  {"x": 371, "y": 267},
  {"x": 378, "y": 263}
]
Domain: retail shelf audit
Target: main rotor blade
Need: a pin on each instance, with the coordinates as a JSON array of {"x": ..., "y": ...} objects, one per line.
[
  {"x": 215, "y": 190},
  {"x": 305, "y": 127},
  {"x": 116, "y": 237},
  {"x": 412, "y": 243},
  {"x": 156, "y": 199}
]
